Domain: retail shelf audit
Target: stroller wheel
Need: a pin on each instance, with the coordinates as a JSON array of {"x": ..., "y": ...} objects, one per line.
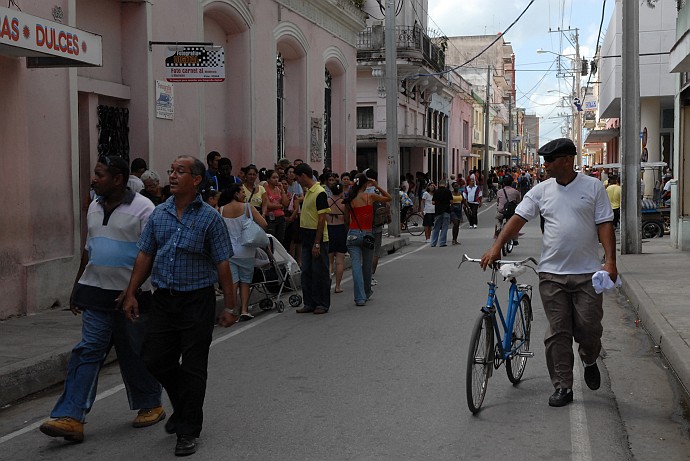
[
  {"x": 295, "y": 300},
  {"x": 266, "y": 304},
  {"x": 280, "y": 306}
]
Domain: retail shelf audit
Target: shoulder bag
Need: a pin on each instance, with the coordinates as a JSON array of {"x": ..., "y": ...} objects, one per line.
[{"x": 253, "y": 235}]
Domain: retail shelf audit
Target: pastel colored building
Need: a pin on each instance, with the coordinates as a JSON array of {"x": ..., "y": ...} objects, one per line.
[{"x": 290, "y": 71}]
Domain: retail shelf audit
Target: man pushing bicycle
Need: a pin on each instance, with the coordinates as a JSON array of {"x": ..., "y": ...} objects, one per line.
[{"x": 577, "y": 216}]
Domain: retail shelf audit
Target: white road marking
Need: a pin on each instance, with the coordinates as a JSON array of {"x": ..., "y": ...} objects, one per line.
[{"x": 579, "y": 432}]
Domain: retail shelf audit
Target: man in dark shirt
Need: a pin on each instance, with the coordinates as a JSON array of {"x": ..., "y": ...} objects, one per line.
[{"x": 442, "y": 200}]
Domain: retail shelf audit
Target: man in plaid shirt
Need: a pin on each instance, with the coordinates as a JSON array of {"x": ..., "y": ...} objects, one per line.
[{"x": 185, "y": 248}]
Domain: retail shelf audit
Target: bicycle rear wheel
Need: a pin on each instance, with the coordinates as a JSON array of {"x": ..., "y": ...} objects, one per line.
[
  {"x": 515, "y": 366},
  {"x": 414, "y": 224},
  {"x": 479, "y": 361}
]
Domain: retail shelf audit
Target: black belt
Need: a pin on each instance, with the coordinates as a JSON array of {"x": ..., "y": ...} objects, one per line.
[{"x": 176, "y": 293}]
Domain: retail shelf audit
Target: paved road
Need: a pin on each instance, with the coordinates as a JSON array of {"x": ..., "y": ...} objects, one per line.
[{"x": 384, "y": 381}]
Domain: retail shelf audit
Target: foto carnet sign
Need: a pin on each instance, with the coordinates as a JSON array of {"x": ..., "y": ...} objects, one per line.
[
  {"x": 49, "y": 43},
  {"x": 195, "y": 64}
]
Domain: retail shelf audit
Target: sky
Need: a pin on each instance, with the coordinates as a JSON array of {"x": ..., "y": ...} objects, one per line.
[{"x": 538, "y": 89}]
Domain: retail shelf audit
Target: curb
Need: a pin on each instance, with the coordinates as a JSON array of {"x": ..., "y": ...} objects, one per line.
[{"x": 663, "y": 335}]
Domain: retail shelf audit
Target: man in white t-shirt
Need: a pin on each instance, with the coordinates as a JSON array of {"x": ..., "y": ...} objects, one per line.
[{"x": 577, "y": 216}]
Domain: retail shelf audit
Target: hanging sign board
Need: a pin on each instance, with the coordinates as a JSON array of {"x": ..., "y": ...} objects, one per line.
[
  {"x": 195, "y": 64},
  {"x": 46, "y": 43}
]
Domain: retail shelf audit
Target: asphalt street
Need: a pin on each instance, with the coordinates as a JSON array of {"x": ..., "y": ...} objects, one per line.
[{"x": 381, "y": 382}]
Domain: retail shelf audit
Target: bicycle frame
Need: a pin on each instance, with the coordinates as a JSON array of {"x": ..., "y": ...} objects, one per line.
[{"x": 493, "y": 307}]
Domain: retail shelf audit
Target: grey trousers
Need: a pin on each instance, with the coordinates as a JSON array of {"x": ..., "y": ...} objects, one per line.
[{"x": 574, "y": 311}]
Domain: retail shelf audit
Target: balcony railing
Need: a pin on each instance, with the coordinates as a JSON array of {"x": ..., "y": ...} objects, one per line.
[{"x": 408, "y": 39}]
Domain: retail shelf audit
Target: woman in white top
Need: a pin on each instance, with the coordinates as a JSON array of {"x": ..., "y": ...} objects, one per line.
[
  {"x": 233, "y": 209},
  {"x": 429, "y": 210}
]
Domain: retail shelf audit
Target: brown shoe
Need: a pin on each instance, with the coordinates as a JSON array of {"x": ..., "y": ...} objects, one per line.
[
  {"x": 69, "y": 428},
  {"x": 149, "y": 416},
  {"x": 319, "y": 311},
  {"x": 304, "y": 310}
]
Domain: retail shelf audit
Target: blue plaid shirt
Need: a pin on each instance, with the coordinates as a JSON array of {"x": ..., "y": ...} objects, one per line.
[{"x": 186, "y": 250}]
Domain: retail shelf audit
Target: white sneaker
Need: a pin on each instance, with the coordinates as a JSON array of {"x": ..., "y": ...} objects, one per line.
[
  {"x": 427, "y": 241},
  {"x": 373, "y": 281}
]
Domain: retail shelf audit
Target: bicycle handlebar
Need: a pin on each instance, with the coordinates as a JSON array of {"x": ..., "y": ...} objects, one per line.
[{"x": 499, "y": 262}]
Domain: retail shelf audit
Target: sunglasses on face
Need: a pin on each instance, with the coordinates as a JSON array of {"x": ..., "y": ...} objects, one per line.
[{"x": 549, "y": 158}]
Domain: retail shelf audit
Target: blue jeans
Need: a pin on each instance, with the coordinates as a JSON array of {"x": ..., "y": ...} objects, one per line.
[
  {"x": 362, "y": 259},
  {"x": 441, "y": 222},
  {"x": 100, "y": 331},
  {"x": 316, "y": 279}
]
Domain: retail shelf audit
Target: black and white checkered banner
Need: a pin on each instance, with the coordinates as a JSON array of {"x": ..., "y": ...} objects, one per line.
[{"x": 195, "y": 64}]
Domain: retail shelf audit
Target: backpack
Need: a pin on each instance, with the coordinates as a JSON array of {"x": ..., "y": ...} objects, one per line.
[
  {"x": 509, "y": 207},
  {"x": 382, "y": 213}
]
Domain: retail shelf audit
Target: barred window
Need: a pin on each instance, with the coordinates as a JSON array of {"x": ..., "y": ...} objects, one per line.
[{"x": 365, "y": 117}]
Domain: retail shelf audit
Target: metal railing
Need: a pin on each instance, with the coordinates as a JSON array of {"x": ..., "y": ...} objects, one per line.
[{"x": 408, "y": 38}]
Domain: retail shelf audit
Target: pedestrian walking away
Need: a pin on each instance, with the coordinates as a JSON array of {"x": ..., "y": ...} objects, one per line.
[
  {"x": 577, "y": 216},
  {"x": 359, "y": 218},
  {"x": 429, "y": 211},
  {"x": 316, "y": 280},
  {"x": 442, "y": 200},
  {"x": 185, "y": 248},
  {"x": 114, "y": 223}
]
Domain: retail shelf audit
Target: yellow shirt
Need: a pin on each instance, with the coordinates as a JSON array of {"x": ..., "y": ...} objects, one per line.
[
  {"x": 614, "y": 193},
  {"x": 309, "y": 219},
  {"x": 256, "y": 200}
]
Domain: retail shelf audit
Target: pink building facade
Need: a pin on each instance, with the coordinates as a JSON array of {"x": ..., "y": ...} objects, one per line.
[{"x": 289, "y": 91}]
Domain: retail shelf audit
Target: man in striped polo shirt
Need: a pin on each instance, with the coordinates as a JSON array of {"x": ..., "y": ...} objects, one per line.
[{"x": 115, "y": 221}]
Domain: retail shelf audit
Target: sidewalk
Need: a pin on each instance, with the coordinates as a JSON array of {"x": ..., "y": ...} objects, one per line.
[
  {"x": 34, "y": 350},
  {"x": 656, "y": 284}
]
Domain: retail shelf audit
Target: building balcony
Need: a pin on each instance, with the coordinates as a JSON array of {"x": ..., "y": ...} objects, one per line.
[
  {"x": 679, "y": 60},
  {"x": 412, "y": 43}
]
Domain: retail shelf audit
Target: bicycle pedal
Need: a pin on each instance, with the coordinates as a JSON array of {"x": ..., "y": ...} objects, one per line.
[{"x": 525, "y": 354}]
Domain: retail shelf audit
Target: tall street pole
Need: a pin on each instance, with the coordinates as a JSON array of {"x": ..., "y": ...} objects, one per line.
[
  {"x": 631, "y": 239},
  {"x": 392, "y": 149},
  {"x": 577, "y": 120},
  {"x": 487, "y": 109}
]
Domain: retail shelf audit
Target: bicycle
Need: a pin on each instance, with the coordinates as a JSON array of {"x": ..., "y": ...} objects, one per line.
[
  {"x": 492, "y": 193},
  {"x": 507, "y": 247},
  {"x": 511, "y": 348},
  {"x": 413, "y": 223}
]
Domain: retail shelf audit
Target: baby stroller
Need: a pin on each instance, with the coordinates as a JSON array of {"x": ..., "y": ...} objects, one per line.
[{"x": 274, "y": 269}]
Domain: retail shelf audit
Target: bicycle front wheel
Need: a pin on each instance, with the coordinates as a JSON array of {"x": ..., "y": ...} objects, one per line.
[
  {"x": 515, "y": 366},
  {"x": 414, "y": 224},
  {"x": 479, "y": 361}
]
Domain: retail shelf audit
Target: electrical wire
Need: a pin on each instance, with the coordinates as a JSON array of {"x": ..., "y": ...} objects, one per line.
[{"x": 596, "y": 50}]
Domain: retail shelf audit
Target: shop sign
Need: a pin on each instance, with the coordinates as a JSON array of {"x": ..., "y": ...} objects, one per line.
[
  {"x": 195, "y": 64},
  {"x": 46, "y": 43}
]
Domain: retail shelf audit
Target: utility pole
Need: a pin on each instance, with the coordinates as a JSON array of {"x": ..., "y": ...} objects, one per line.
[
  {"x": 631, "y": 239},
  {"x": 577, "y": 120},
  {"x": 487, "y": 108},
  {"x": 392, "y": 149}
]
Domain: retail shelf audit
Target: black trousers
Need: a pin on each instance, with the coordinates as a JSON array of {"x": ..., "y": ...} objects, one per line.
[
  {"x": 181, "y": 326},
  {"x": 471, "y": 212}
]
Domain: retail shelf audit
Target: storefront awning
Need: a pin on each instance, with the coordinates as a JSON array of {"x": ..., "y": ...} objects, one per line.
[
  {"x": 46, "y": 43},
  {"x": 596, "y": 136},
  {"x": 371, "y": 140},
  {"x": 502, "y": 153}
]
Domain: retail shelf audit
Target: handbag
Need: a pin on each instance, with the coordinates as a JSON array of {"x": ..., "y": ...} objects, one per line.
[{"x": 253, "y": 235}]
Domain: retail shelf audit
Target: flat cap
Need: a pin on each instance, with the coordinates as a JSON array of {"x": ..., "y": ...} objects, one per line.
[{"x": 560, "y": 147}]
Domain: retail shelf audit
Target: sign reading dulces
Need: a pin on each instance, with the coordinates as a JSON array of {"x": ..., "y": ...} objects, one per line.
[
  {"x": 46, "y": 43},
  {"x": 195, "y": 64}
]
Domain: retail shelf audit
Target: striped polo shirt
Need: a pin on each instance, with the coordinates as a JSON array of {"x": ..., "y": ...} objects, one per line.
[{"x": 111, "y": 244}]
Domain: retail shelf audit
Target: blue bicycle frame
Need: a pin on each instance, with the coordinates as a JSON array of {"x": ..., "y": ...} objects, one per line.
[{"x": 493, "y": 306}]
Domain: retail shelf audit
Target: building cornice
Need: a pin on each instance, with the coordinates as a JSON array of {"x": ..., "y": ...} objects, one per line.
[{"x": 339, "y": 17}]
